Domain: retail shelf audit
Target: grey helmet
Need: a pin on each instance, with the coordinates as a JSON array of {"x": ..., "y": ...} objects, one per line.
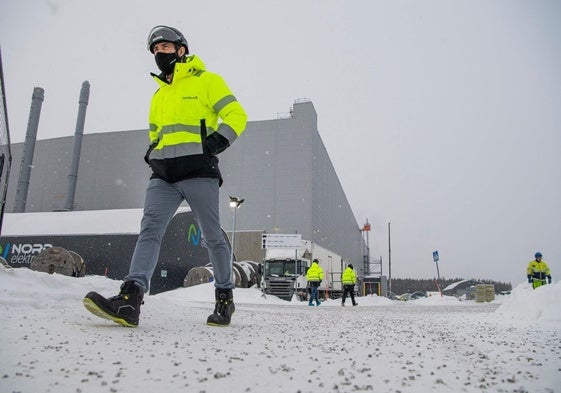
[{"x": 165, "y": 33}]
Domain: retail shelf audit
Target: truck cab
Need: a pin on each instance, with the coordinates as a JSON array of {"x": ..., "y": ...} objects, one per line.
[{"x": 284, "y": 277}]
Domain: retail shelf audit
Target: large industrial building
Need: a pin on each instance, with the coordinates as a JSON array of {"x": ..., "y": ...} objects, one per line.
[{"x": 279, "y": 167}]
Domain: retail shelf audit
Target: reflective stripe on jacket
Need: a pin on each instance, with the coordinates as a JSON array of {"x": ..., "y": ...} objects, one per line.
[
  {"x": 538, "y": 270},
  {"x": 348, "y": 277},
  {"x": 315, "y": 273},
  {"x": 176, "y": 114}
]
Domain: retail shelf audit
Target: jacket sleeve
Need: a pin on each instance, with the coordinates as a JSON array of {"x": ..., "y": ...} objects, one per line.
[{"x": 230, "y": 111}]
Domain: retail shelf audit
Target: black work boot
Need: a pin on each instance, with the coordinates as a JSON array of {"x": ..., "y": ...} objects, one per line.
[
  {"x": 223, "y": 309},
  {"x": 123, "y": 308}
]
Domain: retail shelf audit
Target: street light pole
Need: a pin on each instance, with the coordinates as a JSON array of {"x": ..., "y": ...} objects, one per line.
[
  {"x": 389, "y": 258},
  {"x": 235, "y": 204}
]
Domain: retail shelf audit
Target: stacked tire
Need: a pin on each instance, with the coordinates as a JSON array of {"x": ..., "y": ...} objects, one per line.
[
  {"x": 246, "y": 275},
  {"x": 59, "y": 260}
]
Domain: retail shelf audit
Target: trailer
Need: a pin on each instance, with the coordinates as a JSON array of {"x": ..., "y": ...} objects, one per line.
[
  {"x": 285, "y": 267},
  {"x": 105, "y": 240}
]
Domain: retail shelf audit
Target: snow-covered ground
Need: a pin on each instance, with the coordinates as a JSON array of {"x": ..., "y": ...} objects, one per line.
[{"x": 50, "y": 343}]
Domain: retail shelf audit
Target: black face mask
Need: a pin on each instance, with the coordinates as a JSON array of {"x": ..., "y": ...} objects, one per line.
[{"x": 166, "y": 61}]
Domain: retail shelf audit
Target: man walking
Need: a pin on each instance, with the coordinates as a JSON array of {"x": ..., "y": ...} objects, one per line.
[
  {"x": 349, "y": 280},
  {"x": 193, "y": 117},
  {"x": 314, "y": 275}
]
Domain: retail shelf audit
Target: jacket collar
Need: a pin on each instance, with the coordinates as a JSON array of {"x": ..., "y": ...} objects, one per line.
[{"x": 192, "y": 65}]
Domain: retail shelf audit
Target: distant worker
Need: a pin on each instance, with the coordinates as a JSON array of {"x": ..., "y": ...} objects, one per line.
[
  {"x": 538, "y": 271},
  {"x": 314, "y": 277},
  {"x": 349, "y": 280}
]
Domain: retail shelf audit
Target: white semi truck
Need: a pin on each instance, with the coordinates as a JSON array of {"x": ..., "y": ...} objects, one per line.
[{"x": 284, "y": 271}]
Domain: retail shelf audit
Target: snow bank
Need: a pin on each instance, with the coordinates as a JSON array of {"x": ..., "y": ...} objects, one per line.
[{"x": 528, "y": 304}]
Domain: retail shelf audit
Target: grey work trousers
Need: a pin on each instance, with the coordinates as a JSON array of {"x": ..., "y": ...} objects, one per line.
[{"x": 161, "y": 203}]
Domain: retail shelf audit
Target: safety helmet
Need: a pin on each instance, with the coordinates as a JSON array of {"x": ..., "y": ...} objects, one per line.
[
  {"x": 538, "y": 255},
  {"x": 165, "y": 33}
]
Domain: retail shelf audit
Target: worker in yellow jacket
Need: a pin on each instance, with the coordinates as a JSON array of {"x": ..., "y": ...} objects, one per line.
[
  {"x": 538, "y": 271},
  {"x": 349, "y": 280},
  {"x": 314, "y": 275},
  {"x": 194, "y": 116}
]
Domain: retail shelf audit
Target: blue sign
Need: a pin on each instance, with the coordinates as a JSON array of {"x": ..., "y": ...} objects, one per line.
[{"x": 435, "y": 256}]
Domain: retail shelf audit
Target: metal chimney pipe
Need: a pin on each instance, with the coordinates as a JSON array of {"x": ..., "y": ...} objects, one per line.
[
  {"x": 28, "y": 150},
  {"x": 73, "y": 176}
]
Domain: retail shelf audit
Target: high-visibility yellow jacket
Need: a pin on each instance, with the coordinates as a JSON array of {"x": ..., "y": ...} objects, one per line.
[
  {"x": 348, "y": 277},
  {"x": 314, "y": 273},
  {"x": 538, "y": 270},
  {"x": 183, "y": 116}
]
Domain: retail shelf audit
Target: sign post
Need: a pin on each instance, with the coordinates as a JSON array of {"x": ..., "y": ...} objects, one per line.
[{"x": 435, "y": 258}]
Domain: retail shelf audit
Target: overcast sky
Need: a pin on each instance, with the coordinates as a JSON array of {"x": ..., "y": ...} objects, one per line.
[{"x": 441, "y": 117}]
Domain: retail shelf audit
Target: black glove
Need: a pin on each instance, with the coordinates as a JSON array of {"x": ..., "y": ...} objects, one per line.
[
  {"x": 549, "y": 279},
  {"x": 215, "y": 144},
  {"x": 530, "y": 279}
]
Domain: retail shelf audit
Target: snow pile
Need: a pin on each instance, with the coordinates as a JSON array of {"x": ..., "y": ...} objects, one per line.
[
  {"x": 437, "y": 300},
  {"x": 534, "y": 305}
]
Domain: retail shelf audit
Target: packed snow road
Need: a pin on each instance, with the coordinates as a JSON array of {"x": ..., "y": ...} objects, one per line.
[{"x": 50, "y": 343}]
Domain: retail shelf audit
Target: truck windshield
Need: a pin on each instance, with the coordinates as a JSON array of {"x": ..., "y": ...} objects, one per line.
[{"x": 280, "y": 268}]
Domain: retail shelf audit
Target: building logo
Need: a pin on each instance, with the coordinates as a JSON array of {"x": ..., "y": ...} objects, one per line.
[
  {"x": 21, "y": 253},
  {"x": 194, "y": 235}
]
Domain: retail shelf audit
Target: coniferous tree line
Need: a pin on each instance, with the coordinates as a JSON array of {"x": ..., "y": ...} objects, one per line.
[{"x": 410, "y": 285}]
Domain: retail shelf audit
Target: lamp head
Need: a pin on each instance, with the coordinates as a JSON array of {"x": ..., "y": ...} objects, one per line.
[{"x": 235, "y": 202}]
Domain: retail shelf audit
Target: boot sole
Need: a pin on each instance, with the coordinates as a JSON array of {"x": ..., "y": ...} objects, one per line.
[
  {"x": 98, "y": 311},
  {"x": 217, "y": 324}
]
